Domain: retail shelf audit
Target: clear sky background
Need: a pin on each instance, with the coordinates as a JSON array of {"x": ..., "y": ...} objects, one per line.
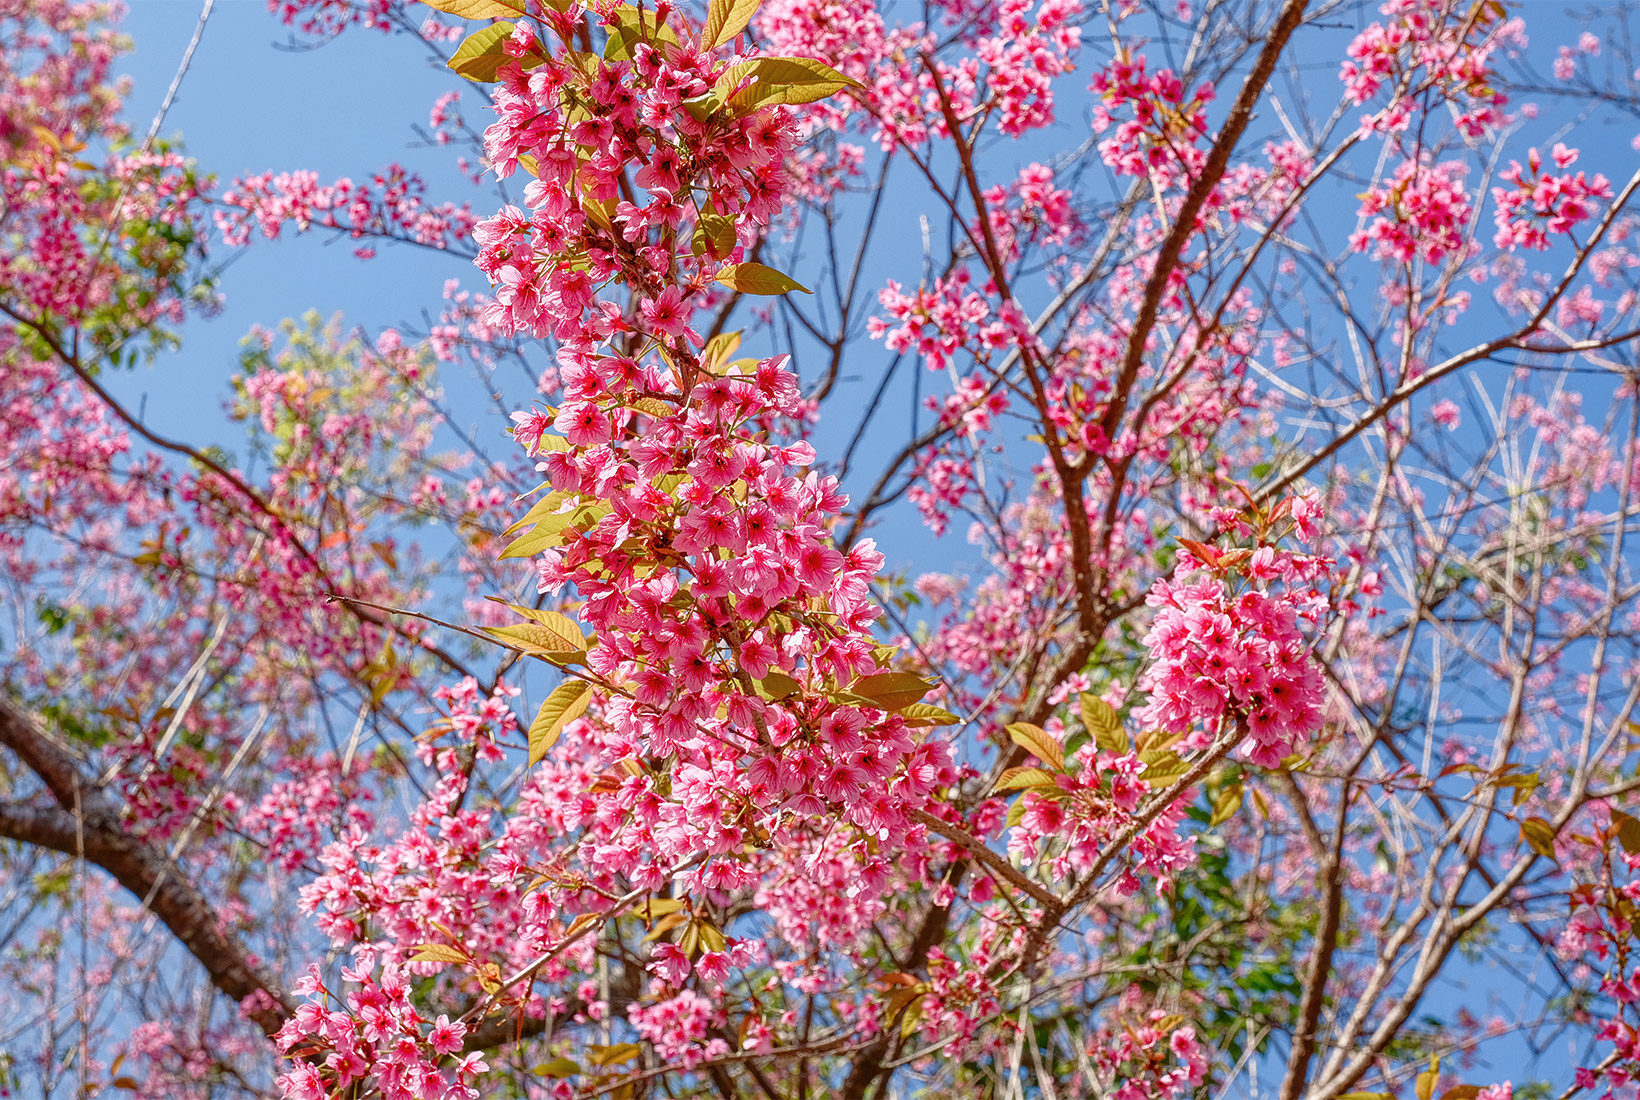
[{"x": 257, "y": 98}]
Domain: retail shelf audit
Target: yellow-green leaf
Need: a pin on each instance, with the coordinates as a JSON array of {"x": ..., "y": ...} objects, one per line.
[
  {"x": 438, "y": 952},
  {"x": 926, "y": 714},
  {"x": 1103, "y": 723},
  {"x": 1021, "y": 779},
  {"x": 540, "y": 510},
  {"x": 1539, "y": 836},
  {"x": 1036, "y": 741},
  {"x": 1424, "y": 1085},
  {"x": 1166, "y": 768},
  {"x": 714, "y": 236},
  {"x": 665, "y": 924},
  {"x": 482, "y": 55},
  {"x": 626, "y": 26},
  {"x": 548, "y": 531},
  {"x": 558, "y": 1067},
  {"x": 719, "y": 348},
  {"x": 891, "y": 691},
  {"x": 653, "y": 406},
  {"x": 1226, "y": 804},
  {"x": 478, "y": 9},
  {"x": 553, "y": 633},
  {"x": 725, "y": 19},
  {"x": 710, "y": 938},
  {"x": 755, "y": 278},
  {"x": 1628, "y": 831},
  {"x": 766, "y": 81},
  {"x": 777, "y": 685},
  {"x": 613, "y": 1055},
  {"x": 567, "y": 702}
]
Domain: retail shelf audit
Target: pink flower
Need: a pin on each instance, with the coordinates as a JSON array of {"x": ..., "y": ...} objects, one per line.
[
  {"x": 445, "y": 1038},
  {"x": 1445, "y": 413}
]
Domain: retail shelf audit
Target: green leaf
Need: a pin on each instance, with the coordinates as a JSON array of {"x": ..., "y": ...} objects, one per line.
[
  {"x": 1022, "y": 779},
  {"x": 891, "y": 691},
  {"x": 1016, "y": 811},
  {"x": 626, "y": 26},
  {"x": 755, "y": 278},
  {"x": 613, "y": 1055},
  {"x": 725, "y": 19},
  {"x": 567, "y": 702},
  {"x": 482, "y": 55},
  {"x": 540, "y": 510},
  {"x": 1103, "y": 722},
  {"x": 1539, "y": 836},
  {"x": 1036, "y": 741},
  {"x": 478, "y": 9},
  {"x": 777, "y": 685},
  {"x": 1424, "y": 1086},
  {"x": 703, "y": 107},
  {"x": 767, "y": 81},
  {"x": 710, "y": 938}
]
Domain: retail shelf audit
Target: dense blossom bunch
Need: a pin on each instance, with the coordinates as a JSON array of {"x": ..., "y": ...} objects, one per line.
[
  {"x": 1418, "y": 47},
  {"x": 733, "y": 666},
  {"x": 1163, "y": 135},
  {"x": 102, "y": 239},
  {"x": 734, "y": 846},
  {"x": 1539, "y": 205},
  {"x": 1156, "y": 1056},
  {"x": 1230, "y": 655},
  {"x": 1421, "y": 213},
  {"x": 1069, "y": 824}
]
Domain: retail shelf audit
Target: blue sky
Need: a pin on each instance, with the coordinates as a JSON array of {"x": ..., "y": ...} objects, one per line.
[{"x": 250, "y": 103}]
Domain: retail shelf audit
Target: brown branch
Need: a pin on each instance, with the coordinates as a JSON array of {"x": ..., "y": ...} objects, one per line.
[
  {"x": 97, "y": 835},
  {"x": 994, "y": 863},
  {"x": 1184, "y": 224}
]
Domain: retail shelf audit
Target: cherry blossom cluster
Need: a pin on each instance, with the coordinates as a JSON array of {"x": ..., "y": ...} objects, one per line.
[
  {"x": 1538, "y": 205},
  {"x": 327, "y": 18},
  {"x": 1227, "y": 644},
  {"x": 1013, "y": 53},
  {"x": 1419, "y": 47},
  {"x": 1154, "y": 1056},
  {"x": 1160, "y": 131},
  {"x": 1034, "y": 42},
  {"x": 1032, "y": 213},
  {"x": 390, "y": 207},
  {"x": 728, "y": 630},
  {"x": 1065, "y": 826},
  {"x": 104, "y": 239},
  {"x": 1420, "y": 213},
  {"x": 374, "y": 1034},
  {"x": 937, "y": 322}
]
